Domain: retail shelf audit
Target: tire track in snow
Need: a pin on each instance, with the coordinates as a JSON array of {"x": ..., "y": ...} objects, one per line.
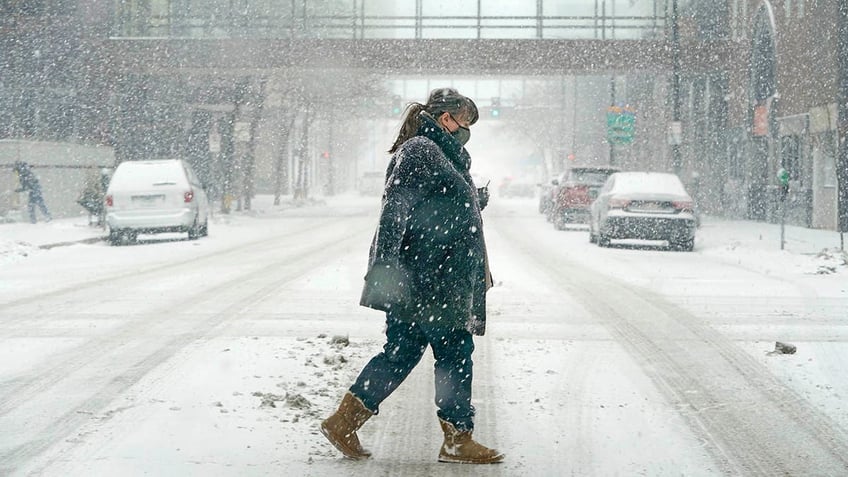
[
  {"x": 134, "y": 274},
  {"x": 752, "y": 423},
  {"x": 120, "y": 348}
]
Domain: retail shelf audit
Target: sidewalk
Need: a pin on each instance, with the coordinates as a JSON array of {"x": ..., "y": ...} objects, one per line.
[
  {"x": 55, "y": 233},
  {"x": 18, "y": 239}
]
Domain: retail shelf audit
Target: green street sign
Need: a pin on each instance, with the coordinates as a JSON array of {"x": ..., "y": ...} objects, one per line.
[{"x": 621, "y": 124}]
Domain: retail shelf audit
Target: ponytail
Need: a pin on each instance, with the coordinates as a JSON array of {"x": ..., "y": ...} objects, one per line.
[{"x": 410, "y": 125}]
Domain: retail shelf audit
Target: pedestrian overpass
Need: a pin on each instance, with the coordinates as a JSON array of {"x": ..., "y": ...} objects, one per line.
[
  {"x": 403, "y": 38},
  {"x": 232, "y": 66},
  {"x": 526, "y": 57}
]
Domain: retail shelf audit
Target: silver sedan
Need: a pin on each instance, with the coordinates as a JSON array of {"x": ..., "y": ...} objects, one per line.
[{"x": 646, "y": 206}]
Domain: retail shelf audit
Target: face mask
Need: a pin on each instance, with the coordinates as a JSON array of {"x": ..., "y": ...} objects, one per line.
[{"x": 462, "y": 135}]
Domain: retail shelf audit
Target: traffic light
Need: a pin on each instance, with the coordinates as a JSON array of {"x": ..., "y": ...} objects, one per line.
[
  {"x": 495, "y": 112},
  {"x": 396, "y": 106},
  {"x": 783, "y": 183}
]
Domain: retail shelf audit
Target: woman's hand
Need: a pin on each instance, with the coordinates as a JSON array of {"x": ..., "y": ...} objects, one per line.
[{"x": 483, "y": 196}]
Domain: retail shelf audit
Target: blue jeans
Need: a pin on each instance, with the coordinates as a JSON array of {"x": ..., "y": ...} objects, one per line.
[
  {"x": 405, "y": 345},
  {"x": 36, "y": 200}
]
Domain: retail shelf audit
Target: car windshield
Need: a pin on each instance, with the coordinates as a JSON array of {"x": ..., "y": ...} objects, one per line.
[{"x": 589, "y": 176}]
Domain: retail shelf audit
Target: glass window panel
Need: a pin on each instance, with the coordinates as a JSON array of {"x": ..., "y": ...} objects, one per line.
[
  {"x": 573, "y": 8},
  {"x": 450, "y": 9},
  {"x": 388, "y": 19},
  {"x": 508, "y": 8}
]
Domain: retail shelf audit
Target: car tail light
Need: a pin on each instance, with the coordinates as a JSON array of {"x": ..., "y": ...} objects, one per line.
[
  {"x": 571, "y": 195},
  {"x": 109, "y": 201},
  {"x": 619, "y": 203},
  {"x": 683, "y": 205},
  {"x": 188, "y": 196}
]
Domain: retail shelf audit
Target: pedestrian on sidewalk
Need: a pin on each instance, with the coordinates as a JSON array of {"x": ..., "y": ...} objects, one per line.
[
  {"x": 29, "y": 182},
  {"x": 428, "y": 271}
]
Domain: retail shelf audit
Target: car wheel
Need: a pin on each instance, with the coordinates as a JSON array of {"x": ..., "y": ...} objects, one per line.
[
  {"x": 123, "y": 237},
  {"x": 114, "y": 237},
  {"x": 559, "y": 224},
  {"x": 685, "y": 245},
  {"x": 194, "y": 230},
  {"x": 204, "y": 231}
]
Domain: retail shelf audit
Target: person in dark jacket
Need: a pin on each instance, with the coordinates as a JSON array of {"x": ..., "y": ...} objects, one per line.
[
  {"x": 29, "y": 182},
  {"x": 428, "y": 271}
]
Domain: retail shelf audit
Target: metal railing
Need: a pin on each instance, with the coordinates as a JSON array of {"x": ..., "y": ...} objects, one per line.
[{"x": 286, "y": 25}]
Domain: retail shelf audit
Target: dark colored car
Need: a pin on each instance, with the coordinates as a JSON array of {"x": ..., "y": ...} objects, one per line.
[
  {"x": 574, "y": 193},
  {"x": 646, "y": 206}
]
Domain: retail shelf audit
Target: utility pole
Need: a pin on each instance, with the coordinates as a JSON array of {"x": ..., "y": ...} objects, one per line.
[
  {"x": 257, "y": 104},
  {"x": 675, "y": 85},
  {"x": 612, "y": 105},
  {"x": 331, "y": 173},
  {"x": 842, "y": 121}
]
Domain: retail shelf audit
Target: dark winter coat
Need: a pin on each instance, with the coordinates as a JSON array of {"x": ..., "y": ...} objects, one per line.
[
  {"x": 28, "y": 181},
  {"x": 428, "y": 257}
]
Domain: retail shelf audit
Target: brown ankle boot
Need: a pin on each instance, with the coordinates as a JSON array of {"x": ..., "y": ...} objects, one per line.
[
  {"x": 340, "y": 428},
  {"x": 460, "y": 448}
]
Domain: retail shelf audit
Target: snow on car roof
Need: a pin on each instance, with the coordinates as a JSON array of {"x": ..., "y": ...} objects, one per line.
[
  {"x": 648, "y": 182},
  {"x": 146, "y": 173}
]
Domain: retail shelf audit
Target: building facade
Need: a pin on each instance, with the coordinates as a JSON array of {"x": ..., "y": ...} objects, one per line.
[{"x": 124, "y": 75}]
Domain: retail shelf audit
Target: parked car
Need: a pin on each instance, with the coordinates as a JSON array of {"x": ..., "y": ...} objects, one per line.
[
  {"x": 643, "y": 205},
  {"x": 574, "y": 192},
  {"x": 155, "y": 196},
  {"x": 546, "y": 191}
]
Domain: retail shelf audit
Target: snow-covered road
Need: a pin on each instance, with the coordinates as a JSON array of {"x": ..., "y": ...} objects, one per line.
[{"x": 220, "y": 356}]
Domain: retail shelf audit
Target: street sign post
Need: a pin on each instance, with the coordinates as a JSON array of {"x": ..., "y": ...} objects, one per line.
[{"x": 783, "y": 184}]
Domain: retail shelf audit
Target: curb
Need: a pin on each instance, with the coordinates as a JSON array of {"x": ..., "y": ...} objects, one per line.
[{"x": 73, "y": 242}]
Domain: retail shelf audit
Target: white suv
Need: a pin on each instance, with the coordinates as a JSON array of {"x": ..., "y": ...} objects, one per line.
[{"x": 153, "y": 197}]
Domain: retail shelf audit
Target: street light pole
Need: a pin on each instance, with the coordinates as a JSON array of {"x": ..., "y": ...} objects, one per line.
[
  {"x": 675, "y": 85},
  {"x": 612, "y": 104}
]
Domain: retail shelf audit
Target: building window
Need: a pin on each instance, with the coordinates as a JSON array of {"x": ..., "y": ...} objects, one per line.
[
  {"x": 738, "y": 19},
  {"x": 825, "y": 150},
  {"x": 794, "y": 9},
  {"x": 736, "y": 153}
]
